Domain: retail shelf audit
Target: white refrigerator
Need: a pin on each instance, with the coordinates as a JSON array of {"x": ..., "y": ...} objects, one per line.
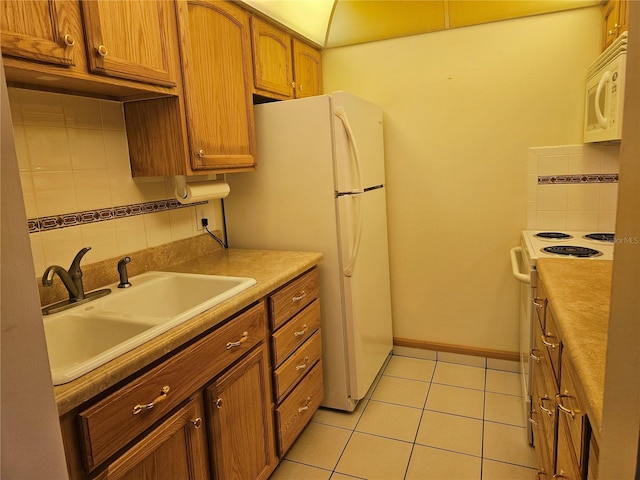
[{"x": 320, "y": 185}]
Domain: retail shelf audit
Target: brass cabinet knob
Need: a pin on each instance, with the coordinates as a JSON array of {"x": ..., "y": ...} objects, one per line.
[
  {"x": 69, "y": 41},
  {"x": 102, "y": 50}
]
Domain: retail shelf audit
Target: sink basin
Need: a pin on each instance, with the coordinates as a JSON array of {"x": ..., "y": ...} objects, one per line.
[{"x": 82, "y": 338}]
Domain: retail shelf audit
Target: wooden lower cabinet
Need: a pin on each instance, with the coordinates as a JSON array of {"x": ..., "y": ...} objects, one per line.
[
  {"x": 565, "y": 445},
  {"x": 240, "y": 413},
  {"x": 177, "y": 448}
]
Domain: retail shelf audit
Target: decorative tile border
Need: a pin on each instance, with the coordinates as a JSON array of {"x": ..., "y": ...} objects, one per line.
[
  {"x": 574, "y": 179},
  {"x": 65, "y": 220}
]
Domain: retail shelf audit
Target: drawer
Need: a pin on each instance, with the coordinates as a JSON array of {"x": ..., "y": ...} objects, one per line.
[
  {"x": 298, "y": 408},
  {"x": 551, "y": 340},
  {"x": 293, "y": 297},
  {"x": 287, "y": 339},
  {"x": 297, "y": 365},
  {"x": 110, "y": 424},
  {"x": 569, "y": 408}
]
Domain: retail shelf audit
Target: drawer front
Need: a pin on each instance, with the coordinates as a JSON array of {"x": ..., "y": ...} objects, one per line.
[
  {"x": 293, "y": 297},
  {"x": 297, "y": 365},
  {"x": 298, "y": 408},
  {"x": 287, "y": 339},
  {"x": 569, "y": 408},
  {"x": 111, "y": 423},
  {"x": 551, "y": 340}
]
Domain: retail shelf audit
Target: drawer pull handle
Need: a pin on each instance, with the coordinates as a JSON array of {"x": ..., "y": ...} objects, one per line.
[
  {"x": 301, "y": 332},
  {"x": 299, "y": 297},
  {"x": 548, "y": 344},
  {"x": 306, "y": 405},
  {"x": 562, "y": 408},
  {"x": 243, "y": 338},
  {"x": 197, "y": 422},
  {"x": 541, "y": 406},
  {"x": 219, "y": 402},
  {"x": 302, "y": 366},
  {"x": 536, "y": 302},
  {"x": 560, "y": 475},
  {"x": 148, "y": 406},
  {"x": 534, "y": 356},
  {"x": 102, "y": 50}
]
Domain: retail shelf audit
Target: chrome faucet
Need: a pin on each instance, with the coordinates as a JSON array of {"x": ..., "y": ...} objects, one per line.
[{"x": 72, "y": 279}]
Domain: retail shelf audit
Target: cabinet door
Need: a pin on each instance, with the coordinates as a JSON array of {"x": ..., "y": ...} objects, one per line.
[
  {"x": 611, "y": 16},
  {"x": 307, "y": 70},
  {"x": 272, "y": 63},
  {"x": 216, "y": 62},
  {"x": 129, "y": 39},
  {"x": 241, "y": 420},
  {"x": 175, "y": 449},
  {"x": 38, "y": 30}
]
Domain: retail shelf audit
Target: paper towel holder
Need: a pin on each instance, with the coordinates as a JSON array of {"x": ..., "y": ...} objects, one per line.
[{"x": 181, "y": 185}]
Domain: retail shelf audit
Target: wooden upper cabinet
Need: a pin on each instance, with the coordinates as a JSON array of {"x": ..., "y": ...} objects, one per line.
[
  {"x": 128, "y": 39},
  {"x": 272, "y": 61},
  {"x": 615, "y": 21},
  {"x": 307, "y": 70},
  {"x": 217, "y": 74},
  {"x": 38, "y": 30}
]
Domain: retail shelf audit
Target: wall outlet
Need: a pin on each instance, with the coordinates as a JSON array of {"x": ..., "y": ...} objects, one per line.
[{"x": 200, "y": 214}]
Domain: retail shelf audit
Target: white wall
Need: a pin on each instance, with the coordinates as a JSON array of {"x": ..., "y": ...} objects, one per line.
[
  {"x": 462, "y": 107},
  {"x": 31, "y": 440}
]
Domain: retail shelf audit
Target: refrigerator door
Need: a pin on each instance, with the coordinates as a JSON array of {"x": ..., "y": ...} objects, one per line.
[
  {"x": 359, "y": 145},
  {"x": 365, "y": 285}
]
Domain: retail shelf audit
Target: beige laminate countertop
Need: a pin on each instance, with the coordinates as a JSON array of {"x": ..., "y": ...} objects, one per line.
[
  {"x": 271, "y": 269},
  {"x": 578, "y": 291}
]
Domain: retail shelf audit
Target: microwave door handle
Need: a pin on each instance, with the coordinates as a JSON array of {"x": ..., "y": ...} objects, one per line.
[{"x": 602, "y": 120}]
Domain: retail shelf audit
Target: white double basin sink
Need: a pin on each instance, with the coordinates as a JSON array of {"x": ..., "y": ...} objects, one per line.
[{"x": 85, "y": 337}]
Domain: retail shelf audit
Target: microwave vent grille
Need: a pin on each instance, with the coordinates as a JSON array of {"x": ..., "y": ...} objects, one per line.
[{"x": 618, "y": 47}]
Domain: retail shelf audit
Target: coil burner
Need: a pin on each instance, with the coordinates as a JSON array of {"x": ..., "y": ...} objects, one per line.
[
  {"x": 572, "y": 251},
  {"x": 601, "y": 237},
  {"x": 553, "y": 235}
]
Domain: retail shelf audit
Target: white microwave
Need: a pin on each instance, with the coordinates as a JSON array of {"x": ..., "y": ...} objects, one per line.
[{"x": 604, "y": 97}]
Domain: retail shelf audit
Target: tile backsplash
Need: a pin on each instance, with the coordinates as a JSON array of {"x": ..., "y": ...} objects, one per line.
[
  {"x": 74, "y": 159},
  {"x": 573, "y": 187}
]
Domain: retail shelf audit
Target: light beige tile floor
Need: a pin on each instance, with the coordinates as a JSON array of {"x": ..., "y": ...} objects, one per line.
[{"x": 450, "y": 418}]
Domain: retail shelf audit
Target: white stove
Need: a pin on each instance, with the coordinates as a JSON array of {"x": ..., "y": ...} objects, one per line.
[
  {"x": 537, "y": 244},
  {"x": 550, "y": 244}
]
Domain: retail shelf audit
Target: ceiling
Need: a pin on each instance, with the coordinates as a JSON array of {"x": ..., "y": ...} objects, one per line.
[{"x": 336, "y": 23}]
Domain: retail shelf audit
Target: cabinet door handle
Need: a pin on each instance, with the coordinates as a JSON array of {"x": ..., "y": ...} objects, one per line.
[
  {"x": 548, "y": 344},
  {"x": 306, "y": 405},
  {"x": 218, "y": 402},
  {"x": 243, "y": 338},
  {"x": 197, "y": 422},
  {"x": 69, "y": 41},
  {"x": 201, "y": 153},
  {"x": 148, "y": 406},
  {"x": 560, "y": 475},
  {"x": 301, "y": 332},
  {"x": 562, "y": 408},
  {"x": 102, "y": 50},
  {"x": 302, "y": 366},
  {"x": 299, "y": 297}
]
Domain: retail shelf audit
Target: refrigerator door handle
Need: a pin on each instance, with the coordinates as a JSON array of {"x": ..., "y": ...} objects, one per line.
[
  {"x": 357, "y": 227},
  {"x": 341, "y": 114}
]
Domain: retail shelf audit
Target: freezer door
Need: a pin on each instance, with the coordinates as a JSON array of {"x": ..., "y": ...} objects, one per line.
[
  {"x": 365, "y": 283},
  {"x": 359, "y": 145}
]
